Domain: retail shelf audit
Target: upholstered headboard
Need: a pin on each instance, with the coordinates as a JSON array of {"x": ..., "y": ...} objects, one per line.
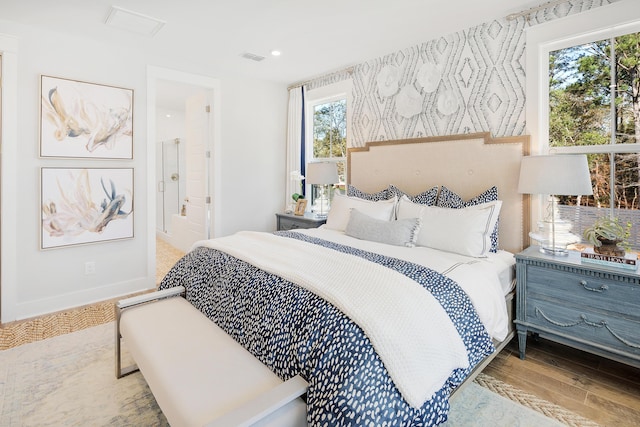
[{"x": 466, "y": 164}]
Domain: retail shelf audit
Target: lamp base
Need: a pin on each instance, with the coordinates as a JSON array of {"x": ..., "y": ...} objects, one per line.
[
  {"x": 557, "y": 245},
  {"x": 554, "y": 251}
]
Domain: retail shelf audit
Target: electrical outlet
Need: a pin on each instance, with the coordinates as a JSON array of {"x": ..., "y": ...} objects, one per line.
[{"x": 90, "y": 267}]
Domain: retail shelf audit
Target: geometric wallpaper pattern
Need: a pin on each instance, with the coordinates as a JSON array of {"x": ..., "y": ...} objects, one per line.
[{"x": 469, "y": 81}]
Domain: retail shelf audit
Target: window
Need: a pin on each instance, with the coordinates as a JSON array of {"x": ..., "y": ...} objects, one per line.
[
  {"x": 330, "y": 133},
  {"x": 582, "y": 97},
  {"x": 594, "y": 108},
  {"x": 327, "y": 134}
]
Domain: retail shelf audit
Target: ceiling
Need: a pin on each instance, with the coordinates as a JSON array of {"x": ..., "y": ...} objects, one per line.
[{"x": 315, "y": 38}]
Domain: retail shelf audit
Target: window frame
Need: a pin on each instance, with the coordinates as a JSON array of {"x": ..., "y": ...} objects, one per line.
[
  {"x": 329, "y": 93},
  {"x": 603, "y": 22}
]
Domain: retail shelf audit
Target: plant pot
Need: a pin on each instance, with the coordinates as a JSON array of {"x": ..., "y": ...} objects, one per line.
[{"x": 609, "y": 247}]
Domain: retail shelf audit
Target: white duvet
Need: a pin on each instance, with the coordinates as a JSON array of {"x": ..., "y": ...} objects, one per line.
[
  {"x": 485, "y": 280},
  {"x": 392, "y": 317}
]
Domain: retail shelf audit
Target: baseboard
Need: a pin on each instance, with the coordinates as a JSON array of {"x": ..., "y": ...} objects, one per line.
[{"x": 81, "y": 298}]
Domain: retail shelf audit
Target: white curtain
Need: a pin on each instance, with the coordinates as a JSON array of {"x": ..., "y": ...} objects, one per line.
[{"x": 294, "y": 138}]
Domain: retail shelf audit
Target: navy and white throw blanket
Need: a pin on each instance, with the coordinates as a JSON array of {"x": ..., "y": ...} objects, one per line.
[{"x": 261, "y": 289}]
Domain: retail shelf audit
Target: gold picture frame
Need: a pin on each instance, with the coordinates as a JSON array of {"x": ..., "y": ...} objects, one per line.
[
  {"x": 301, "y": 206},
  {"x": 85, "y": 120}
]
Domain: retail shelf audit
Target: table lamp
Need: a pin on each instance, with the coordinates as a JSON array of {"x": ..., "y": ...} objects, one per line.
[
  {"x": 555, "y": 175},
  {"x": 322, "y": 174}
]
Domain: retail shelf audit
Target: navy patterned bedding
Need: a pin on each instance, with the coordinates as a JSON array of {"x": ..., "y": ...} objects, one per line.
[{"x": 293, "y": 331}]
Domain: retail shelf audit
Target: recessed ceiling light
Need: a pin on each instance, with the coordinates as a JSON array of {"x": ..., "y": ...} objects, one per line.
[
  {"x": 275, "y": 52},
  {"x": 133, "y": 21},
  {"x": 168, "y": 116}
]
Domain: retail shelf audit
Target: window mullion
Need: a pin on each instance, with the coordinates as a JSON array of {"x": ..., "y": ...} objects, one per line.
[
  {"x": 593, "y": 149},
  {"x": 612, "y": 102}
]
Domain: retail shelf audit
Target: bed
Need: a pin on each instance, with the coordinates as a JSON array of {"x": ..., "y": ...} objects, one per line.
[{"x": 345, "y": 305}]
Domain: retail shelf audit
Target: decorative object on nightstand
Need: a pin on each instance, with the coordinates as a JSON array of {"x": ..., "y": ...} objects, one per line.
[
  {"x": 286, "y": 221},
  {"x": 591, "y": 307},
  {"x": 610, "y": 244},
  {"x": 301, "y": 206},
  {"x": 555, "y": 175},
  {"x": 608, "y": 236},
  {"x": 322, "y": 174},
  {"x": 297, "y": 177}
]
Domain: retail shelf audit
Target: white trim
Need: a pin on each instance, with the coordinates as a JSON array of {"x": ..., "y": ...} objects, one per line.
[
  {"x": 39, "y": 307},
  {"x": 9, "y": 169},
  {"x": 153, "y": 75},
  {"x": 587, "y": 149},
  {"x": 332, "y": 92},
  {"x": 616, "y": 18}
]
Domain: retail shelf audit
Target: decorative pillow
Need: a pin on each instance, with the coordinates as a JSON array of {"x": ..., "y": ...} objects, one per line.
[
  {"x": 449, "y": 199},
  {"x": 402, "y": 232},
  {"x": 341, "y": 206},
  {"x": 428, "y": 197},
  {"x": 380, "y": 195},
  {"x": 466, "y": 231}
]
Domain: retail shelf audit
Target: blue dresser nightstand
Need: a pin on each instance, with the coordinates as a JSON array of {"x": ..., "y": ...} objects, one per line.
[
  {"x": 585, "y": 306},
  {"x": 285, "y": 221}
]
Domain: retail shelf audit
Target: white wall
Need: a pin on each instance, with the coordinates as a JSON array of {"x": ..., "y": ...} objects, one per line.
[
  {"x": 253, "y": 133},
  {"x": 253, "y": 153}
]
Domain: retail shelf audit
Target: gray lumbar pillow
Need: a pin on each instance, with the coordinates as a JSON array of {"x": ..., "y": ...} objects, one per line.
[{"x": 403, "y": 232}]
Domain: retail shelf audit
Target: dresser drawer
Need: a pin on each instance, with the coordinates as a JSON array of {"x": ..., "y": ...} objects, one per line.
[
  {"x": 584, "y": 290},
  {"x": 288, "y": 224},
  {"x": 292, "y": 223},
  {"x": 587, "y": 325}
]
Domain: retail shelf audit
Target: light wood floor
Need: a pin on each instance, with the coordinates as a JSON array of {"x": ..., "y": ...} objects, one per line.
[{"x": 599, "y": 389}]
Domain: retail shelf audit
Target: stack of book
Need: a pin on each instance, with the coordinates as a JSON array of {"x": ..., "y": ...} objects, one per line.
[{"x": 628, "y": 261}]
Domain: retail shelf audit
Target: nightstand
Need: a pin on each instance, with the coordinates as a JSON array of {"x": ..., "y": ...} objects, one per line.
[
  {"x": 590, "y": 307},
  {"x": 287, "y": 221}
]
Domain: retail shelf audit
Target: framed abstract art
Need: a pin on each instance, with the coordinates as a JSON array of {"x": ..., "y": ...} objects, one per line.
[
  {"x": 81, "y": 206},
  {"x": 85, "y": 120}
]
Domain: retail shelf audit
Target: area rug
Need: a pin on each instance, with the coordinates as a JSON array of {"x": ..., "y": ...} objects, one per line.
[{"x": 70, "y": 380}]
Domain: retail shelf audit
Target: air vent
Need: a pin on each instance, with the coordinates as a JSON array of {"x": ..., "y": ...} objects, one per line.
[
  {"x": 133, "y": 21},
  {"x": 252, "y": 56}
]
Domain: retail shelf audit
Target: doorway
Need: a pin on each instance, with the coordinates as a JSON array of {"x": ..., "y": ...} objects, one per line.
[{"x": 182, "y": 107}]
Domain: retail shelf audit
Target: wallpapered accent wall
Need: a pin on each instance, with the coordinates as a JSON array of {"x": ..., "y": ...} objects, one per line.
[{"x": 465, "y": 82}]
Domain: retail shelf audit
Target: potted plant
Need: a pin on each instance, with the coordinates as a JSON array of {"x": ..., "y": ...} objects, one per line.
[{"x": 608, "y": 236}]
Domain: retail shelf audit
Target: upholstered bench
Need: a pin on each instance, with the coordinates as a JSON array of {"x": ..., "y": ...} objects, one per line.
[{"x": 198, "y": 374}]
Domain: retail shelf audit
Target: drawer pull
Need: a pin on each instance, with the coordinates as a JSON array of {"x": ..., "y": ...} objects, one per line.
[
  {"x": 601, "y": 289},
  {"x": 583, "y": 319}
]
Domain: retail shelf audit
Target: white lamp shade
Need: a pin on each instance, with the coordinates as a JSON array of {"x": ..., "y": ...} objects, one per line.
[
  {"x": 559, "y": 175},
  {"x": 321, "y": 173}
]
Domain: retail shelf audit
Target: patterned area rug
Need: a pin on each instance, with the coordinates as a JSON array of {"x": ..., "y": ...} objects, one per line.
[{"x": 70, "y": 380}]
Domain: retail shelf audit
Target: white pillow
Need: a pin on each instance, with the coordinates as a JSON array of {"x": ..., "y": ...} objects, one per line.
[
  {"x": 341, "y": 206},
  {"x": 402, "y": 232},
  {"x": 466, "y": 231},
  {"x": 408, "y": 209}
]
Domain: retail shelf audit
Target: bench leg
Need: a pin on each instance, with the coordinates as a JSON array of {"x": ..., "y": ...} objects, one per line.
[
  {"x": 124, "y": 304},
  {"x": 121, "y": 372}
]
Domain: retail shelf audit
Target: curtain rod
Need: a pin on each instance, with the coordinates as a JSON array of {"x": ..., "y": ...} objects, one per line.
[
  {"x": 528, "y": 12},
  {"x": 348, "y": 70}
]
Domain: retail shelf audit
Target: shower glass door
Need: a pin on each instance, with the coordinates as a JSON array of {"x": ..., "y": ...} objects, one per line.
[{"x": 170, "y": 188}]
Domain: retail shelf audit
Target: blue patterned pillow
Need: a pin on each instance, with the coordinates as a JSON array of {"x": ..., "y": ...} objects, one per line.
[
  {"x": 449, "y": 199},
  {"x": 374, "y": 197},
  {"x": 427, "y": 198}
]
